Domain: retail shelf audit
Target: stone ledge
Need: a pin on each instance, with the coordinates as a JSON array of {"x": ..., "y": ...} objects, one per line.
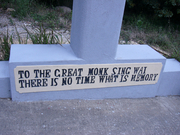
[
  {"x": 170, "y": 82},
  {"x": 4, "y": 80}
]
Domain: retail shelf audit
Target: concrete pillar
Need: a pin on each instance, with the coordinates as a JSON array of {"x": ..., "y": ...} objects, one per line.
[{"x": 96, "y": 28}]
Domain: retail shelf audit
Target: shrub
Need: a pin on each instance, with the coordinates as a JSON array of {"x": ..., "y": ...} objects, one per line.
[
  {"x": 160, "y": 8},
  {"x": 22, "y": 8}
]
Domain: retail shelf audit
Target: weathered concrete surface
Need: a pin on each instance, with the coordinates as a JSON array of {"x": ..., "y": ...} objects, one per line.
[{"x": 160, "y": 115}]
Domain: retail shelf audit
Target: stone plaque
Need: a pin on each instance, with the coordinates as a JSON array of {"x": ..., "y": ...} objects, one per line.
[{"x": 70, "y": 77}]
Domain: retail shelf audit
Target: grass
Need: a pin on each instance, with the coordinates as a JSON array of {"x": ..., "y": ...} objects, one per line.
[
  {"x": 32, "y": 11},
  {"x": 155, "y": 33},
  {"x": 44, "y": 19},
  {"x": 43, "y": 36},
  {"x": 40, "y": 36},
  {"x": 5, "y": 42}
]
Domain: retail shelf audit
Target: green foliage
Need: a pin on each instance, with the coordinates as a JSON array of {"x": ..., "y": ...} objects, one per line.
[
  {"x": 161, "y": 8},
  {"x": 54, "y": 3},
  {"x": 22, "y": 8},
  {"x": 5, "y": 3},
  {"x": 49, "y": 19},
  {"x": 161, "y": 40},
  {"x": 4, "y": 44},
  {"x": 176, "y": 55},
  {"x": 11, "y": 21},
  {"x": 40, "y": 13},
  {"x": 42, "y": 36},
  {"x": 145, "y": 30},
  {"x": 125, "y": 36},
  {"x": 68, "y": 16}
]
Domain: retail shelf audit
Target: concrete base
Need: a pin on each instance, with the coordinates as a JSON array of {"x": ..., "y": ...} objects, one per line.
[
  {"x": 170, "y": 82},
  {"x": 63, "y": 55},
  {"x": 4, "y": 80}
]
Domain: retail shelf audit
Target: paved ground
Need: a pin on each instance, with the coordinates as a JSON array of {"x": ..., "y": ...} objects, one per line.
[{"x": 151, "y": 116}]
